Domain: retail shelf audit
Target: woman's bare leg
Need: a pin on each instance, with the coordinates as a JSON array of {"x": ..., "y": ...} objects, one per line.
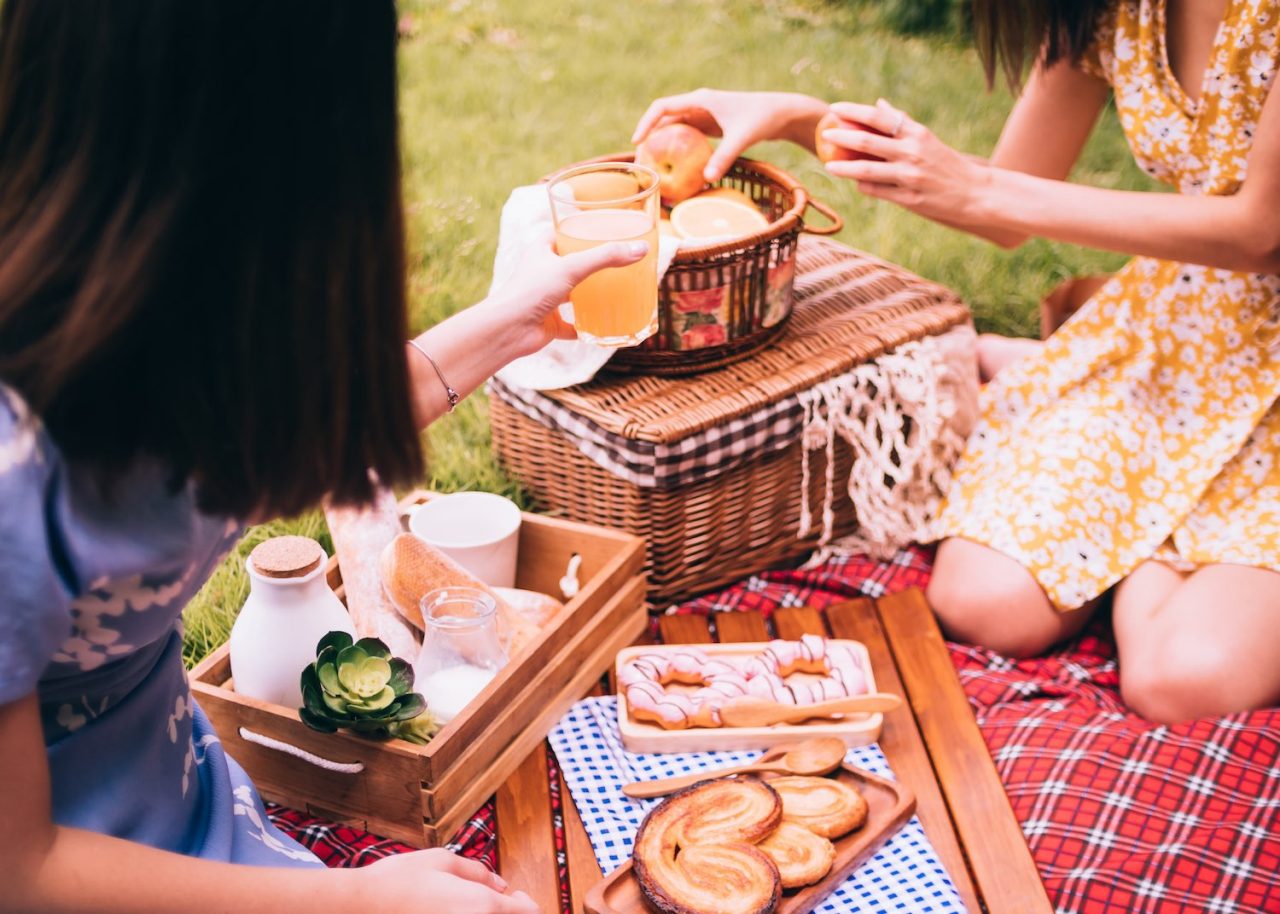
[
  {"x": 995, "y": 352},
  {"x": 1201, "y": 647},
  {"x": 983, "y": 597}
]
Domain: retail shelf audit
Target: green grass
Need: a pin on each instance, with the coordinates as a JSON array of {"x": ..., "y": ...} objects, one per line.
[{"x": 496, "y": 93}]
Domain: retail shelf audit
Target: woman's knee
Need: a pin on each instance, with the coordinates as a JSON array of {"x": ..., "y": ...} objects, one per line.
[
  {"x": 1180, "y": 678},
  {"x": 984, "y": 598},
  {"x": 1207, "y": 649},
  {"x": 995, "y": 352}
]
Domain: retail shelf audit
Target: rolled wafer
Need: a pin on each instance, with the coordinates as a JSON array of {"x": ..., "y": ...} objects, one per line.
[{"x": 411, "y": 569}]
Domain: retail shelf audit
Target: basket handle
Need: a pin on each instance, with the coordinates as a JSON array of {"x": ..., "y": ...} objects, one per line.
[
  {"x": 836, "y": 225},
  {"x": 268, "y": 742}
]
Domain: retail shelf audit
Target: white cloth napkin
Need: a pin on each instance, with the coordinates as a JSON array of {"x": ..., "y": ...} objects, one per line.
[{"x": 526, "y": 217}]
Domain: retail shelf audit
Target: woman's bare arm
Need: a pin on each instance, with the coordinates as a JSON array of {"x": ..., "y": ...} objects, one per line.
[
  {"x": 516, "y": 320},
  {"x": 1236, "y": 232},
  {"x": 1044, "y": 133},
  {"x": 56, "y": 870}
]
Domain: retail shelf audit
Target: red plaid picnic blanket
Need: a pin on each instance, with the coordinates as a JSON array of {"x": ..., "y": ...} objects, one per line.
[{"x": 1119, "y": 814}]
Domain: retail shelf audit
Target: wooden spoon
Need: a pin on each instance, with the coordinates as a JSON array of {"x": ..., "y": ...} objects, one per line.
[
  {"x": 817, "y": 756},
  {"x": 759, "y": 712}
]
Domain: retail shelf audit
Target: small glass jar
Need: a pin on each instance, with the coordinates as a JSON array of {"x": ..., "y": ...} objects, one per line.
[{"x": 461, "y": 651}]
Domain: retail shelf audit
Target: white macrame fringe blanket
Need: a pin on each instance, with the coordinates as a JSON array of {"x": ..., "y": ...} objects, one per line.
[{"x": 905, "y": 417}]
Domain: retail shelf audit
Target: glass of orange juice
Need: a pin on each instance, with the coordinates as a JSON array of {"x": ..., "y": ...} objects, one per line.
[{"x": 596, "y": 204}]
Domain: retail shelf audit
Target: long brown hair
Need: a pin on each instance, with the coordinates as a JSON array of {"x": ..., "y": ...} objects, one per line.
[
  {"x": 1009, "y": 33},
  {"x": 201, "y": 242}
]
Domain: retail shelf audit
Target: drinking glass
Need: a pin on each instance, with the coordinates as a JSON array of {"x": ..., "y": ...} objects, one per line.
[
  {"x": 461, "y": 650},
  {"x": 597, "y": 204}
]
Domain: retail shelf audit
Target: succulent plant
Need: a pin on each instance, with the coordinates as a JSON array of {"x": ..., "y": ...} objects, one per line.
[
  {"x": 418, "y": 729},
  {"x": 358, "y": 686}
]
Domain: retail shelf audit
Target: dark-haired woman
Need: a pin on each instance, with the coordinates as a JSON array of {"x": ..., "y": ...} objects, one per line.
[
  {"x": 202, "y": 322},
  {"x": 1138, "y": 448}
]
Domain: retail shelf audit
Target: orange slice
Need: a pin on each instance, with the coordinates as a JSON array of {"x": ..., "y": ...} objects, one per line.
[{"x": 716, "y": 217}]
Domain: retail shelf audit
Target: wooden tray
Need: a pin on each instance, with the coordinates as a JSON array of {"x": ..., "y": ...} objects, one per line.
[
  {"x": 422, "y": 794},
  {"x": 889, "y": 805},
  {"x": 642, "y": 736}
]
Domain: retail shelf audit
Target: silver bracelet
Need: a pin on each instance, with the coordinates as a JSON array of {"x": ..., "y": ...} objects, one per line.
[{"x": 454, "y": 397}]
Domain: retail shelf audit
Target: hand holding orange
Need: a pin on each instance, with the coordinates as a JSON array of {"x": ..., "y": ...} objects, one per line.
[{"x": 829, "y": 151}]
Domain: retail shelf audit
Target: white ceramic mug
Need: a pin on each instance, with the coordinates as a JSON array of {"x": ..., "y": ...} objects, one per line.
[{"x": 478, "y": 530}]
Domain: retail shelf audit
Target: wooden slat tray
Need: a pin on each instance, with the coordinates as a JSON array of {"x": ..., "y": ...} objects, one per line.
[
  {"x": 889, "y": 805},
  {"x": 643, "y": 736},
  {"x": 423, "y": 794}
]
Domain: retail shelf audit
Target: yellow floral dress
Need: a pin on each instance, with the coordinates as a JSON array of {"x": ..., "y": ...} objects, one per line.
[{"x": 1148, "y": 426}]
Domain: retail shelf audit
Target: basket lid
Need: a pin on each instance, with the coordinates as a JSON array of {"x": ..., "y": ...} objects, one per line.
[{"x": 849, "y": 308}]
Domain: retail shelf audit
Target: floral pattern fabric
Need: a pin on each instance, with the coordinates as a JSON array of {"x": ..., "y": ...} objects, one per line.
[{"x": 1148, "y": 425}]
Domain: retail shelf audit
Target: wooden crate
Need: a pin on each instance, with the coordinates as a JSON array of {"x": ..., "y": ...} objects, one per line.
[{"x": 422, "y": 794}]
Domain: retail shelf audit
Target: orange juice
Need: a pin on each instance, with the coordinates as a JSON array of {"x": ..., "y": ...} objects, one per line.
[{"x": 616, "y": 306}]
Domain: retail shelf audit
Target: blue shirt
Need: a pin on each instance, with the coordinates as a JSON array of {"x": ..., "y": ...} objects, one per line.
[{"x": 92, "y": 586}]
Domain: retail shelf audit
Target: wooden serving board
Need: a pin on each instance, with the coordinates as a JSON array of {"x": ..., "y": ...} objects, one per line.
[
  {"x": 644, "y": 736},
  {"x": 889, "y": 806}
]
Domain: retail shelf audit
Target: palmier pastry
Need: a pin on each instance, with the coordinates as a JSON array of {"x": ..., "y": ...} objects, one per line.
[
  {"x": 695, "y": 853},
  {"x": 802, "y": 858},
  {"x": 825, "y": 806}
]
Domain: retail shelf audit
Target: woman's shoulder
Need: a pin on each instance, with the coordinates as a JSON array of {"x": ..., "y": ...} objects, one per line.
[
  {"x": 37, "y": 595},
  {"x": 1114, "y": 39},
  {"x": 25, "y": 453},
  {"x": 16, "y": 418}
]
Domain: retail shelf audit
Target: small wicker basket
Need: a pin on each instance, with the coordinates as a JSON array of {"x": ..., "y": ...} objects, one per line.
[{"x": 720, "y": 303}]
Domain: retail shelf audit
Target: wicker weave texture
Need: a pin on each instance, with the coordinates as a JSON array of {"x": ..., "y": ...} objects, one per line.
[
  {"x": 697, "y": 537},
  {"x": 850, "y": 309}
]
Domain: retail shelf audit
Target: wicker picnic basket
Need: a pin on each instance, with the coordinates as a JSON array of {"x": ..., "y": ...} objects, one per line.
[
  {"x": 850, "y": 309},
  {"x": 719, "y": 303}
]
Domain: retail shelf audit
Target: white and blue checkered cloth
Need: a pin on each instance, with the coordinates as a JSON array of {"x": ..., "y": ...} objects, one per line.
[{"x": 904, "y": 876}]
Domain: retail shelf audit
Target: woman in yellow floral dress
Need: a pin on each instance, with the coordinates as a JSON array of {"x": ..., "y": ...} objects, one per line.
[{"x": 1139, "y": 447}]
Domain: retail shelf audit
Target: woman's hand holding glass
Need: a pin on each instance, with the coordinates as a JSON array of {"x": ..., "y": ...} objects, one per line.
[
  {"x": 517, "y": 319},
  {"x": 531, "y": 299}
]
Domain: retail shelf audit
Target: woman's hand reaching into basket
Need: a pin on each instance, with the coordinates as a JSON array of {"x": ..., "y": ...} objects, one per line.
[
  {"x": 741, "y": 119},
  {"x": 918, "y": 171}
]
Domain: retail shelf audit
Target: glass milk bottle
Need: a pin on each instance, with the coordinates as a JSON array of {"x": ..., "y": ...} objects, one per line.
[
  {"x": 461, "y": 651},
  {"x": 289, "y": 609}
]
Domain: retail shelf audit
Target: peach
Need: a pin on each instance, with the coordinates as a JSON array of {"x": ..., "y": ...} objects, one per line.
[{"x": 678, "y": 153}]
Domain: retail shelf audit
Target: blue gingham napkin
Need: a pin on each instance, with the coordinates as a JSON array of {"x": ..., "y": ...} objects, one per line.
[{"x": 904, "y": 876}]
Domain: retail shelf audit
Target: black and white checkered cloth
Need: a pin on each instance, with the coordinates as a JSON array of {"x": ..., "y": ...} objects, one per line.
[
  {"x": 702, "y": 455},
  {"x": 843, "y": 299}
]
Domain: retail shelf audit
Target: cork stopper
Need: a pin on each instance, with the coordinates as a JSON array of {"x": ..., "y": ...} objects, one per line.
[{"x": 286, "y": 557}]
